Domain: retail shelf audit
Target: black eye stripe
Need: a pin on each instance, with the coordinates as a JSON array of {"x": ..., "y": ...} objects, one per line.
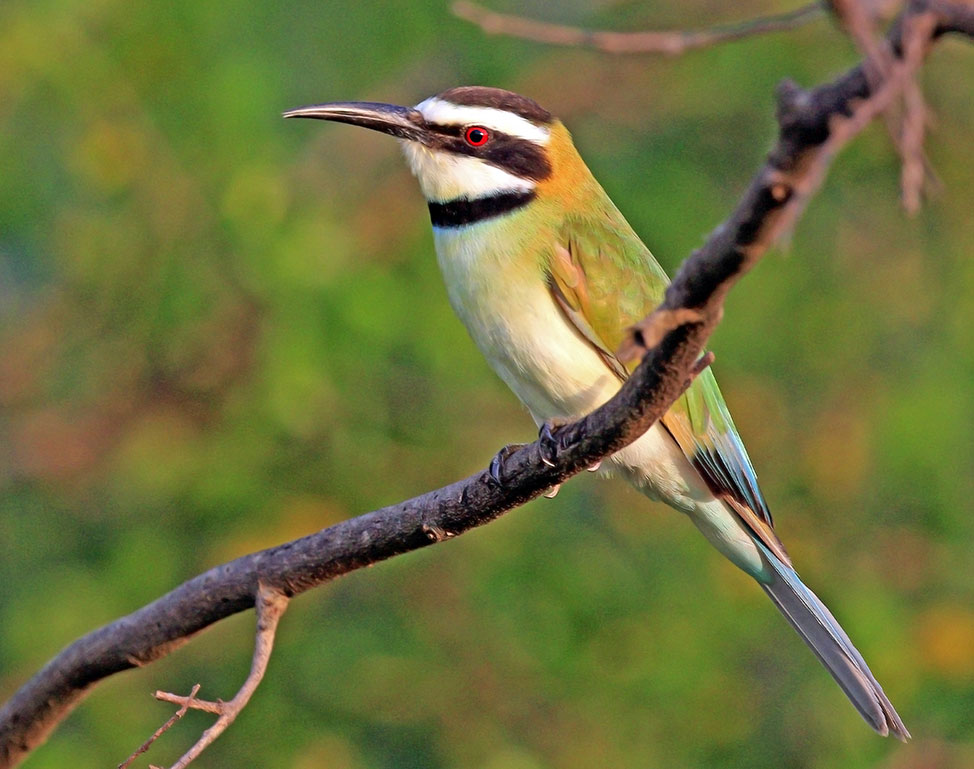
[
  {"x": 447, "y": 129},
  {"x": 522, "y": 158},
  {"x": 518, "y": 156}
]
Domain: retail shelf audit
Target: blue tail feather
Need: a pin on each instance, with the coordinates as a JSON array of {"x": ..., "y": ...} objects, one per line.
[{"x": 826, "y": 638}]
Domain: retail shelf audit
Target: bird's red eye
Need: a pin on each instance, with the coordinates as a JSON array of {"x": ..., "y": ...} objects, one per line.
[{"x": 476, "y": 136}]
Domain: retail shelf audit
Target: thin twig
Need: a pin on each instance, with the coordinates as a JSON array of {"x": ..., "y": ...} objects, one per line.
[
  {"x": 271, "y": 605},
  {"x": 915, "y": 117},
  {"x": 906, "y": 127},
  {"x": 860, "y": 24},
  {"x": 190, "y": 701},
  {"x": 160, "y": 731},
  {"x": 670, "y": 43}
]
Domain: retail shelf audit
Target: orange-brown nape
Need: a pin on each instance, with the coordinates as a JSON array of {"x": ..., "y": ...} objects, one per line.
[{"x": 570, "y": 183}]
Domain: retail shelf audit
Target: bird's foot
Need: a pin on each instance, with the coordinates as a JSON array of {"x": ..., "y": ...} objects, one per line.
[
  {"x": 495, "y": 471},
  {"x": 550, "y": 442}
]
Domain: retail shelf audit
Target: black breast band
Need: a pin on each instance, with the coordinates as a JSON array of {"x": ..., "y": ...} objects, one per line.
[{"x": 463, "y": 211}]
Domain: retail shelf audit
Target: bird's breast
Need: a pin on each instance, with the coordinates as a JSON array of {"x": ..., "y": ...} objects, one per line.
[{"x": 497, "y": 286}]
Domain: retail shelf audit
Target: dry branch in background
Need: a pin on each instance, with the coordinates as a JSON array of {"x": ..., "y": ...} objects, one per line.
[
  {"x": 671, "y": 43},
  {"x": 813, "y": 125}
]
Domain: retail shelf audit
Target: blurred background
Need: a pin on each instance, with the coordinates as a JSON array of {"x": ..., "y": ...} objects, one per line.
[{"x": 220, "y": 331}]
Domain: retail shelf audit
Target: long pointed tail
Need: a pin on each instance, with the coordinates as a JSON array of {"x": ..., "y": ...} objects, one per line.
[{"x": 820, "y": 630}]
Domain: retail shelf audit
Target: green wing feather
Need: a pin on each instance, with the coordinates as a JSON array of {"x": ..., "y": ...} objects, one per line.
[{"x": 629, "y": 284}]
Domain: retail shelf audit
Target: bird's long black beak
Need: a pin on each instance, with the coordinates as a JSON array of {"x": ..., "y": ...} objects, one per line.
[{"x": 401, "y": 122}]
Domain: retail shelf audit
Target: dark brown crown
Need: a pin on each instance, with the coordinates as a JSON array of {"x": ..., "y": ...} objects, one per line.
[{"x": 497, "y": 98}]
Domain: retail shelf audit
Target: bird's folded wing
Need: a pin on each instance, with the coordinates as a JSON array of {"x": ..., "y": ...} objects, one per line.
[
  {"x": 604, "y": 280},
  {"x": 702, "y": 426}
]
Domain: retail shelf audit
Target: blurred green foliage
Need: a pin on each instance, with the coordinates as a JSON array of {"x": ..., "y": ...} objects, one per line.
[{"x": 221, "y": 331}]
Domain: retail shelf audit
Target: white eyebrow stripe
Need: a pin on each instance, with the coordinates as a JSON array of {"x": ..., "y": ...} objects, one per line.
[{"x": 445, "y": 113}]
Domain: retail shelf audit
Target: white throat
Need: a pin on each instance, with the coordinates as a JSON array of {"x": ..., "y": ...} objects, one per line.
[{"x": 445, "y": 176}]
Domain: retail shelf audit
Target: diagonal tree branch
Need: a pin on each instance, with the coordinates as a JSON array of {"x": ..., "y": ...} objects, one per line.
[{"x": 813, "y": 126}]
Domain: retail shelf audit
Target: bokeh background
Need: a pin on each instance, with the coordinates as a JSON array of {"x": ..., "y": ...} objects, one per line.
[{"x": 220, "y": 331}]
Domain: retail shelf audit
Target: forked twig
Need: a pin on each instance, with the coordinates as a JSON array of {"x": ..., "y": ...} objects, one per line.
[
  {"x": 670, "y": 43},
  {"x": 906, "y": 118},
  {"x": 160, "y": 731},
  {"x": 270, "y": 606}
]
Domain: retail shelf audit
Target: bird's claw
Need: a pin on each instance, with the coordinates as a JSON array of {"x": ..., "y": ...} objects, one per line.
[
  {"x": 495, "y": 471},
  {"x": 552, "y": 492},
  {"x": 549, "y": 442},
  {"x": 594, "y": 468}
]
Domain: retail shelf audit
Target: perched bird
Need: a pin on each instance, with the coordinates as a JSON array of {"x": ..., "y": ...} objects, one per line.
[{"x": 547, "y": 275}]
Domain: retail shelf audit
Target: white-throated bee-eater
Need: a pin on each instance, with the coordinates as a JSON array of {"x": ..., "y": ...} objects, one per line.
[{"x": 547, "y": 275}]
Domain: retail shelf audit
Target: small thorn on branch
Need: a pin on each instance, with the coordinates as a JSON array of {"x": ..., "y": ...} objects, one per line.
[
  {"x": 648, "y": 333},
  {"x": 780, "y": 192},
  {"x": 791, "y": 99},
  {"x": 702, "y": 364}
]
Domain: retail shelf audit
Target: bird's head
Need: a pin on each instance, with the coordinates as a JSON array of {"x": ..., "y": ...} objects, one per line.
[{"x": 466, "y": 143}]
